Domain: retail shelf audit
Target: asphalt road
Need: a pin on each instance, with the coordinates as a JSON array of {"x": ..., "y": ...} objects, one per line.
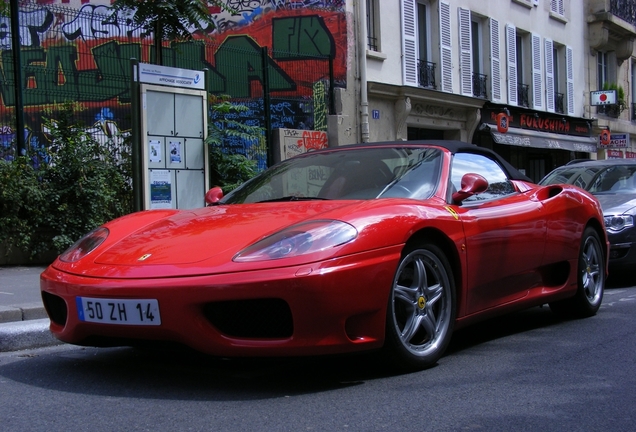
[{"x": 524, "y": 372}]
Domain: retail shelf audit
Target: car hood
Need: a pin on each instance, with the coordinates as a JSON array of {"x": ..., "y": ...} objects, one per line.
[
  {"x": 201, "y": 241},
  {"x": 617, "y": 203}
]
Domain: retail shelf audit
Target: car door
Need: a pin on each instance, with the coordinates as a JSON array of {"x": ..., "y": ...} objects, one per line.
[{"x": 505, "y": 235}]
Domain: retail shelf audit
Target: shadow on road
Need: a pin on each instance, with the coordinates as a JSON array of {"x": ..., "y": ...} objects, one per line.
[{"x": 182, "y": 374}]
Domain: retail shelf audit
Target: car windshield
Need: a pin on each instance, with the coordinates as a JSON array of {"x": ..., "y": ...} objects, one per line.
[
  {"x": 578, "y": 176},
  {"x": 615, "y": 179},
  {"x": 596, "y": 179},
  {"x": 364, "y": 173}
]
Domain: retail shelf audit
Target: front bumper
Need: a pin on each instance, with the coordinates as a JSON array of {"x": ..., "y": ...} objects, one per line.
[
  {"x": 329, "y": 307},
  {"x": 622, "y": 252}
]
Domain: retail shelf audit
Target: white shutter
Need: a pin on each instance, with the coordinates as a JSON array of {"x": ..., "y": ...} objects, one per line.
[
  {"x": 511, "y": 49},
  {"x": 446, "y": 66},
  {"x": 558, "y": 7},
  {"x": 569, "y": 80},
  {"x": 495, "y": 64},
  {"x": 537, "y": 73},
  {"x": 549, "y": 76},
  {"x": 409, "y": 43},
  {"x": 465, "y": 53}
]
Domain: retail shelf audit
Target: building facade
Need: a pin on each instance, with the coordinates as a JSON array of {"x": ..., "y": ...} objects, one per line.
[
  {"x": 612, "y": 65},
  {"x": 361, "y": 70},
  {"x": 434, "y": 69}
]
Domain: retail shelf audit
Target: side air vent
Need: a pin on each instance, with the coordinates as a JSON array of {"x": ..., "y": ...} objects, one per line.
[{"x": 548, "y": 192}]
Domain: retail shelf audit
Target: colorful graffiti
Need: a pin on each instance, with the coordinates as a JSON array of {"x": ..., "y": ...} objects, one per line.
[{"x": 82, "y": 54}]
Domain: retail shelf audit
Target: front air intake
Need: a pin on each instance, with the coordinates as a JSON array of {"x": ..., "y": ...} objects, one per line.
[
  {"x": 253, "y": 319},
  {"x": 55, "y": 307}
]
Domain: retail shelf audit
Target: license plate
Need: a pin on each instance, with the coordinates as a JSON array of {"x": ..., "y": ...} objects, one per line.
[{"x": 119, "y": 311}]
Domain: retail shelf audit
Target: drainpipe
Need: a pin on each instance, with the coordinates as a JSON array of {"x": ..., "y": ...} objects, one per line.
[{"x": 362, "y": 67}]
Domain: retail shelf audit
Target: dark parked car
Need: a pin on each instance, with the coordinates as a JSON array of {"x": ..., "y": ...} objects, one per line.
[{"x": 613, "y": 183}]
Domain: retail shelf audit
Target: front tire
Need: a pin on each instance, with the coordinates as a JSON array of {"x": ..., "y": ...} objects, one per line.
[
  {"x": 590, "y": 278},
  {"x": 421, "y": 309}
]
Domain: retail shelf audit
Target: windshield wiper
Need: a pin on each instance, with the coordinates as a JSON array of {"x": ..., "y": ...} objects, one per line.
[{"x": 293, "y": 198}]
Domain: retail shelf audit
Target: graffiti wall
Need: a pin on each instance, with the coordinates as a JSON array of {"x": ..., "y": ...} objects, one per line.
[{"x": 80, "y": 51}]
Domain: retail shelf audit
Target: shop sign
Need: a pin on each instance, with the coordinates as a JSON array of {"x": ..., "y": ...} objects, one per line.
[
  {"x": 502, "y": 123},
  {"x": 538, "y": 121},
  {"x": 603, "y": 97},
  {"x": 615, "y": 141}
]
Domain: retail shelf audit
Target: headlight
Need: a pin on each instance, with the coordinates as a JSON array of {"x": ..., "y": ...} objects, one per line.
[
  {"x": 85, "y": 245},
  {"x": 619, "y": 222},
  {"x": 302, "y": 239}
]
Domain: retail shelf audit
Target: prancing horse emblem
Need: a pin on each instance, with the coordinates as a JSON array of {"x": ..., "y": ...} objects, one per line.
[{"x": 144, "y": 257}]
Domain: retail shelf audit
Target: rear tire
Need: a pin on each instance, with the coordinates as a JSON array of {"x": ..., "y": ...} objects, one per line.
[
  {"x": 421, "y": 309},
  {"x": 591, "y": 280}
]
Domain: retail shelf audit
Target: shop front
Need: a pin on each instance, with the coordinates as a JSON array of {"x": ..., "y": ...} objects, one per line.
[{"x": 534, "y": 141}]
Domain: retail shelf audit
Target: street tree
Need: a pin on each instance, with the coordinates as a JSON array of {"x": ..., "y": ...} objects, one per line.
[{"x": 170, "y": 19}]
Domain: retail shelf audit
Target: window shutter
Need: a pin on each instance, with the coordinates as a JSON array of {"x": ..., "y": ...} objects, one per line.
[
  {"x": 537, "y": 73},
  {"x": 446, "y": 66},
  {"x": 549, "y": 77},
  {"x": 465, "y": 53},
  {"x": 569, "y": 79},
  {"x": 511, "y": 48},
  {"x": 409, "y": 43},
  {"x": 495, "y": 64},
  {"x": 558, "y": 7}
]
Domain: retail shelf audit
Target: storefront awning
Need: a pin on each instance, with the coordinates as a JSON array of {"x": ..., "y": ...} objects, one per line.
[{"x": 547, "y": 140}]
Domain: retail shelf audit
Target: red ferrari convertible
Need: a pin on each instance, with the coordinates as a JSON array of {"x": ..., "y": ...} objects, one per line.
[{"x": 384, "y": 246}]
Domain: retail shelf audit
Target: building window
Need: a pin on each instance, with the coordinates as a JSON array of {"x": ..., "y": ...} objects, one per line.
[
  {"x": 557, "y": 7},
  {"x": 606, "y": 66},
  {"x": 523, "y": 88},
  {"x": 559, "y": 79},
  {"x": 602, "y": 69},
  {"x": 633, "y": 113},
  {"x": 373, "y": 25},
  {"x": 479, "y": 77},
  {"x": 426, "y": 68}
]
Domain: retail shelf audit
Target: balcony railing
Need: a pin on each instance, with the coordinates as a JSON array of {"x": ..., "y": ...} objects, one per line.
[
  {"x": 372, "y": 43},
  {"x": 558, "y": 103},
  {"x": 479, "y": 85},
  {"x": 609, "y": 110},
  {"x": 523, "y": 95},
  {"x": 624, "y": 9},
  {"x": 426, "y": 73}
]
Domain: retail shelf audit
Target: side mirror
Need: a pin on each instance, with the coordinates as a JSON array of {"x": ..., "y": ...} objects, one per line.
[
  {"x": 472, "y": 184},
  {"x": 213, "y": 196}
]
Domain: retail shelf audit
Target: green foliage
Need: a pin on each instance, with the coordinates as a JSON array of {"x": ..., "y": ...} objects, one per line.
[
  {"x": 22, "y": 203},
  {"x": 174, "y": 19},
  {"x": 80, "y": 185},
  {"x": 227, "y": 168},
  {"x": 5, "y": 8},
  {"x": 621, "y": 104}
]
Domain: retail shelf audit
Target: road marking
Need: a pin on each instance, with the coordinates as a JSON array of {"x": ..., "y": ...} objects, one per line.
[{"x": 2, "y": 292}]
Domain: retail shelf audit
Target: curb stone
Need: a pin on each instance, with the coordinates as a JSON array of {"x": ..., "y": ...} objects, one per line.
[{"x": 22, "y": 335}]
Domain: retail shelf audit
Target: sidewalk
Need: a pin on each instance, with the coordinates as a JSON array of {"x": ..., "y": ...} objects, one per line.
[{"x": 24, "y": 323}]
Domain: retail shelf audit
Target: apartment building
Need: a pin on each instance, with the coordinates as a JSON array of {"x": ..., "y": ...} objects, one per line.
[
  {"x": 445, "y": 69},
  {"x": 611, "y": 29}
]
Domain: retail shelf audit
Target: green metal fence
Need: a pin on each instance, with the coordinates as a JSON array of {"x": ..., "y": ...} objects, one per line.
[{"x": 83, "y": 56}]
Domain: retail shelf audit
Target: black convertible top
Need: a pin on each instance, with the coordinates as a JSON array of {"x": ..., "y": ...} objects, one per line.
[{"x": 454, "y": 147}]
